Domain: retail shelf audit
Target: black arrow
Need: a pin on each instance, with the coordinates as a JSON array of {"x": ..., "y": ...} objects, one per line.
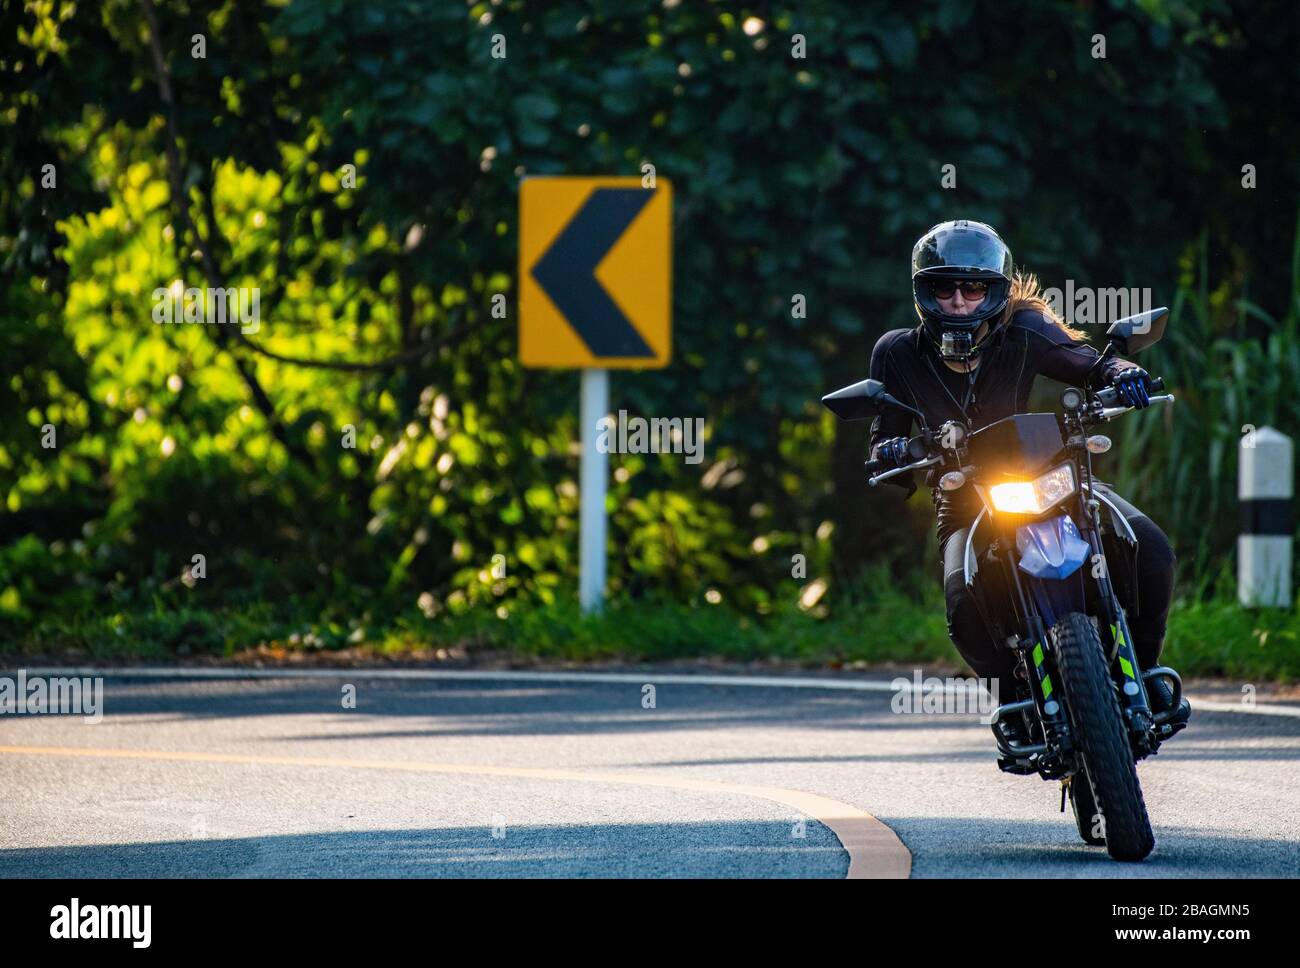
[{"x": 566, "y": 272}]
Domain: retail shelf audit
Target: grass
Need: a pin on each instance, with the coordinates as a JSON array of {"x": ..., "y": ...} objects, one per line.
[
  {"x": 1219, "y": 637},
  {"x": 641, "y": 631},
  {"x": 1212, "y": 637}
]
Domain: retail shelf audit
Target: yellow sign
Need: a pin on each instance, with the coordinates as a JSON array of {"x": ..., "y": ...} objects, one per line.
[{"x": 595, "y": 272}]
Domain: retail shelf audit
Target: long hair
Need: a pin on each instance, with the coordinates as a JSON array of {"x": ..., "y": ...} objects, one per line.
[{"x": 1027, "y": 294}]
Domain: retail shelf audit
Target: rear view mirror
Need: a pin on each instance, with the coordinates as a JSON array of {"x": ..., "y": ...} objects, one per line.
[
  {"x": 856, "y": 402},
  {"x": 1132, "y": 334},
  {"x": 863, "y": 400}
]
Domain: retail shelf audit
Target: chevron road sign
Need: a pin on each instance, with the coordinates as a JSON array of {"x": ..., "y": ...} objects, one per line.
[
  {"x": 595, "y": 293},
  {"x": 595, "y": 273}
]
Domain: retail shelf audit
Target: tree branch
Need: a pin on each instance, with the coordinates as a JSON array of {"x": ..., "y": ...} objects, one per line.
[{"x": 180, "y": 205}]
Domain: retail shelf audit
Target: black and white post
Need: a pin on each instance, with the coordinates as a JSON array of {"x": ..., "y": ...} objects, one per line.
[{"x": 1265, "y": 489}]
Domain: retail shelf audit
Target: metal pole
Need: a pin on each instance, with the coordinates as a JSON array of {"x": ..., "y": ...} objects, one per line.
[
  {"x": 1265, "y": 488},
  {"x": 594, "y": 477}
]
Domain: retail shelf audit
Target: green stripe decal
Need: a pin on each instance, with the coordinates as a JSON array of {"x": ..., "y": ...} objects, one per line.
[
  {"x": 1038, "y": 664},
  {"x": 1125, "y": 666}
]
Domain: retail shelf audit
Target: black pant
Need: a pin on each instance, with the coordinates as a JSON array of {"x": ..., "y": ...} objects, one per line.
[{"x": 1154, "y": 579}]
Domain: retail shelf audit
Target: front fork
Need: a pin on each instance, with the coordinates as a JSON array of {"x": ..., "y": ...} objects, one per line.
[
  {"x": 1042, "y": 691},
  {"x": 1129, "y": 676},
  {"x": 1125, "y": 668}
]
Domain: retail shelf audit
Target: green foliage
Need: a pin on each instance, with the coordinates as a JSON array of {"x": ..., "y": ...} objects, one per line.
[
  {"x": 890, "y": 626},
  {"x": 1233, "y": 366},
  {"x": 359, "y": 165},
  {"x": 1213, "y": 638},
  {"x": 1217, "y": 637}
]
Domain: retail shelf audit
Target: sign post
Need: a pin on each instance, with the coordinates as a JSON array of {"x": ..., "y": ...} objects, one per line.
[
  {"x": 594, "y": 476},
  {"x": 595, "y": 292}
]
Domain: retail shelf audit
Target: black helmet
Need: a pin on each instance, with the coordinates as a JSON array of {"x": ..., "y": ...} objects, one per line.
[{"x": 960, "y": 251}]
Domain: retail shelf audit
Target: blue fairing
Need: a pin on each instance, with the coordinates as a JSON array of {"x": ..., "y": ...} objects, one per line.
[{"x": 1051, "y": 549}]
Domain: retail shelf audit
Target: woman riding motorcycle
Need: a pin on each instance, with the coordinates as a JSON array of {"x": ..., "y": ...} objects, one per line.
[{"x": 985, "y": 333}]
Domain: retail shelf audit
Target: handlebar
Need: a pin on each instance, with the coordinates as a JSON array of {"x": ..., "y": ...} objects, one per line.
[
  {"x": 1107, "y": 412},
  {"x": 918, "y": 465},
  {"x": 1107, "y": 397}
]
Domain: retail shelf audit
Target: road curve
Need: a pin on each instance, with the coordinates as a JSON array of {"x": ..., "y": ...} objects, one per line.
[{"x": 483, "y": 774}]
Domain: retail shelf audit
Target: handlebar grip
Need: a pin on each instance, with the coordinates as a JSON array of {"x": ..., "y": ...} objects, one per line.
[{"x": 1109, "y": 396}]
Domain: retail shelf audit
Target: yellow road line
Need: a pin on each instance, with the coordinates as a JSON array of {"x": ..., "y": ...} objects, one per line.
[{"x": 874, "y": 850}]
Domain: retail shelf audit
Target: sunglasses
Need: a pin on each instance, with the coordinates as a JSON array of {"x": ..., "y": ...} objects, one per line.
[{"x": 971, "y": 290}]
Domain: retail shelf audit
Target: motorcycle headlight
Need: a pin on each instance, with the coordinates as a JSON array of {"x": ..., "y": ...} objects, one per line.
[{"x": 1034, "y": 497}]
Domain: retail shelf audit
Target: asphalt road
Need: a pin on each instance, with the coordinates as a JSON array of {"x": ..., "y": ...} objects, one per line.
[{"x": 537, "y": 777}]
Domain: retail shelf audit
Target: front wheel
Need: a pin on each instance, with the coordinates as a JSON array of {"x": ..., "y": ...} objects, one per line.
[
  {"x": 1121, "y": 813},
  {"x": 1086, "y": 816}
]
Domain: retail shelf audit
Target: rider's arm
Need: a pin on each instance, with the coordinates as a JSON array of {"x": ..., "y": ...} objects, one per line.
[
  {"x": 1061, "y": 357},
  {"x": 890, "y": 423}
]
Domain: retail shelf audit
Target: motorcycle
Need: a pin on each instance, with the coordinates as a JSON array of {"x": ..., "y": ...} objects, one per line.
[{"x": 1042, "y": 561}]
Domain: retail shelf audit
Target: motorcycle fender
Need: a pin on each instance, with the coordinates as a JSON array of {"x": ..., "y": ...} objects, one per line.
[{"x": 1051, "y": 550}]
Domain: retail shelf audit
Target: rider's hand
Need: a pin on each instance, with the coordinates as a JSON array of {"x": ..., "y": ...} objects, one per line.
[
  {"x": 1134, "y": 386},
  {"x": 892, "y": 452}
]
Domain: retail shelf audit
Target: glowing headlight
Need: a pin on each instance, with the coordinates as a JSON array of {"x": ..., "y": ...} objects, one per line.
[{"x": 1034, "y": 497}]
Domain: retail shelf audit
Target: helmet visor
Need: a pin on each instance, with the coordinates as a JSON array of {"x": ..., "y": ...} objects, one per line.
[{"x": 961, "y": 251}]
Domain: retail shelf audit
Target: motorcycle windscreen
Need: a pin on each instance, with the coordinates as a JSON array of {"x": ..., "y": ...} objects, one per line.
[
  {"x": 1019, "y": 446},
  {"x": 1051, "y": 549}
]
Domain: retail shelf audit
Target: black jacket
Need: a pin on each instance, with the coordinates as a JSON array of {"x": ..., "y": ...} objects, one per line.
[{"x": 1030, "y": 344}]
